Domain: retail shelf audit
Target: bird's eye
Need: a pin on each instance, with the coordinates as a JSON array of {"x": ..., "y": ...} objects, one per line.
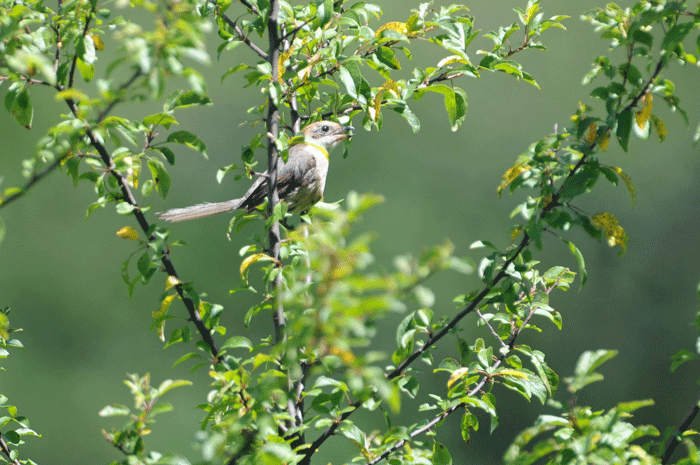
[{"x": 325, "y": 128}]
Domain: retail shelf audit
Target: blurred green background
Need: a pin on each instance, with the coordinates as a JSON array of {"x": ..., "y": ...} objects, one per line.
[{"x": 62, "y": 276}]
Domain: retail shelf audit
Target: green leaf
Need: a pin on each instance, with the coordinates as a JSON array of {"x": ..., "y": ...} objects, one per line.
[
  {"x": 388, "y": 57},
  {"x": 162, "y": 119},
  {"x": 114, "y": 410},
  {"x": 441, "y": 456},
  {"x": 624, "y": 128},
  {"x": 676, "y": 35},
  {"x": 85, "y": 48},
  {"x": 190, "y": 140},
  {"x": 237, "y": 342},
  {"x": 169, "y": 384},
  {"x": 455, "y": 106},
  {"x": 161, "y": 178},
  {"x": 87, "y": 70},
  {"x": 166, "y": 152},
  {"x": 22, "y": 108},
  {"x": 579, "y": 261},
  {"x": 351, "y": 78},
  {"x": 589, "y": 360}
]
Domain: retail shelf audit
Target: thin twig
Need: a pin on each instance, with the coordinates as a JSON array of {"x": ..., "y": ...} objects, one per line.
[
  {"x": 33, "y": 180},
  {"x": 6, "y": 450}
]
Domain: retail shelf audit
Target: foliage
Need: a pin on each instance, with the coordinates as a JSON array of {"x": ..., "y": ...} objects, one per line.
[{"x": 279, "y": 399}]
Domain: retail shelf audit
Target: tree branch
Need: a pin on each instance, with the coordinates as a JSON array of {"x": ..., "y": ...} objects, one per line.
[
  {"x": 684, "y": 426},
  {"x": 6, "y": 450},
  {"x": 33, "y": 180}
]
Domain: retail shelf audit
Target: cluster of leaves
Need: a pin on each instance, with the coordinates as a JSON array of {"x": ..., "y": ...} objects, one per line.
[
  {"x": 18, "y": 429},
  {"x": 325, "y": 47},
  {"x": 147, "y": 399},
  {"x": 581, "y": 435},
  {"x": 563, "y": 166}
]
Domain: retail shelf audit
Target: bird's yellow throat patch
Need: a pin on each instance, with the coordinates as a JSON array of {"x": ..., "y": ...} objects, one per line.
[{"x": 319, "y": 147}]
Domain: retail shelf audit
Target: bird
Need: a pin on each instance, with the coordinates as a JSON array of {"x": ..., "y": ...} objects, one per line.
[{"x": 300, "y": 181}]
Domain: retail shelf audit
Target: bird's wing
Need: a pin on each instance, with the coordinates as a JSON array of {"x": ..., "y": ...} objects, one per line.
[{"x": 290, "y": 180}]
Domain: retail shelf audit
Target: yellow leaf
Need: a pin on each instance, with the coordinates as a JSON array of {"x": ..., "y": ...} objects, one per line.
[
  {"x": 397, "y": 26},
  {"x": 613, "y": 232},
  {"x": 628, "y": 182},
  {"x": 377, "y": 102},
  {"x": 515, "y": 232},
  {"x": 284, "y": 56},
  {"x": 509, "y": 372},
  {"x": 162, "y": 311},
  {"x": 532, "y": 11},
  {"x": 71, "y": 94},
  {"x": 643, "y": 115},
  {"x": 171, "y": 282},
  {"x": 605, "y": 141},
  {"x": 345, "y": 355},
  {"x": 99, "y": 45},
  {"x": 249, "y": 261},
  {"x": 592, "y": 133},
  {"x": 659, "y": 127},
  {"x": 511, "y": 174},
  {"x": 127, "y": 232},
  {"x": 456, "y": 375}
]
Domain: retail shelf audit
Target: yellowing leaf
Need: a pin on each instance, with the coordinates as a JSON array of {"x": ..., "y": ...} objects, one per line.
[
  {"x": 613, "y": 232},
  {"x": 515, "y": 232},
  {"x": 99, "y": 45},
  {"x": 284, "y": 56},
  {"x": 628, "y": 183},
  {"x": 397, "y": 26},
  {"x": 161, "y": 312},
  {"x": 171, "y": 282},
  {"x": 511, "y": 174},
  {"x": 377, "y": 102},
  {"x": 532, "y": 11},
  {"x": 127, "y": 232},
  {"x": 643, "y": 115},
  {"x": 659, "y": 127},
  {"x": 456, "y": 375},
  {"x": 592, "y": 133},
  {"x": 509, "y": 372},
  {"x": 71, "y": 94},
  {"x": 605, "y": 141},
  {"x": 345, "y": 355},
  {"x": 249, "y": 261}
]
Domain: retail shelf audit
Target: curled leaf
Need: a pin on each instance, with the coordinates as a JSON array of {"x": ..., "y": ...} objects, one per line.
[
  {"x": 127, "y": 232},
  {"x": 628, "y": 182}
]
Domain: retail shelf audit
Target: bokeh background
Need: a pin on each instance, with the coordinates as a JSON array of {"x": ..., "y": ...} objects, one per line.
[{"x": 62, "y": 276}]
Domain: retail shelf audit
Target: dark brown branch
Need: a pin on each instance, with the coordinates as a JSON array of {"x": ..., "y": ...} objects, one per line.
[
  {"x": 250, "y": 6},
  {"x": 241, "y": 36},
  {"x": 464, "y": 312},
  {"x": 684, "y": 426},
  {"x": 272, "y": 157},
  {"x": 474, "y": 391},
  {"x": 127, "y": 196},
  {"x": 33, "y": 180},
  {"x": 71, "y": 79}
]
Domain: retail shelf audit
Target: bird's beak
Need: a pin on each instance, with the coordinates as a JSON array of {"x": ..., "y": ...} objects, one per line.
[{"x": 345, "y": 132}]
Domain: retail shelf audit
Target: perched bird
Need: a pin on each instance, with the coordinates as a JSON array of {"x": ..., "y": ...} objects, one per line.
[{"x": 300, "y": 181}]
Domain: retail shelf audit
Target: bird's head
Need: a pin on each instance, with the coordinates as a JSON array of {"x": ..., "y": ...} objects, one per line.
[{"x": 327, "y": 134}]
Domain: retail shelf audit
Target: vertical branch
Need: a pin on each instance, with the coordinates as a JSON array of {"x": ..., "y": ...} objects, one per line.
[{"x": 272, "y": 157}]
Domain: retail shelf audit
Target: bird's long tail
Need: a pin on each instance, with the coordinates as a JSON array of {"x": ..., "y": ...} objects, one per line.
[{"x": 199, "y": 211}]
